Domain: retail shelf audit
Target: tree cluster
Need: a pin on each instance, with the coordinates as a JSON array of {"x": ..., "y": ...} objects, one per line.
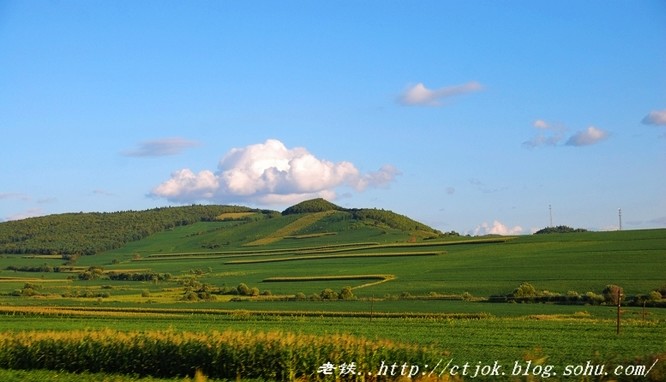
[{"x": 559, "y": 229}]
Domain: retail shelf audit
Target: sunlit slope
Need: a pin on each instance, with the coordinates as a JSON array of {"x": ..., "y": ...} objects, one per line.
[{"x": 559, "y": 263}]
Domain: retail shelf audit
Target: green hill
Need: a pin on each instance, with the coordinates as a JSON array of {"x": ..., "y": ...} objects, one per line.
[
  {"x": 313, "y": 205},
  {"x": 75, "y": 234}
]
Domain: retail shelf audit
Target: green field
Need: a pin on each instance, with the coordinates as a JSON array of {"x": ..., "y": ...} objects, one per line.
[{"x": 330, "y": 273}]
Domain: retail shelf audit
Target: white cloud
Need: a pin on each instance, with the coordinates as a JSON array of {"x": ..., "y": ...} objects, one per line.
[
  {"x": 161, "y": 147},
  {"x": 553, "y": 134},
  {"x": 587, "y": 137},
  {"x": 497, "y": 228},
  {"x": 657, "y": 117},
  {"x": 269, "y": 173},
  {"x": 549, "y": 135},
  {"x": 419, "y": 94},
  {"x": 541, "y": 124}
]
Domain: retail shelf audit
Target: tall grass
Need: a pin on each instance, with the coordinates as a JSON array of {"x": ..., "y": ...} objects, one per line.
[{"x": 229, "y": 354}]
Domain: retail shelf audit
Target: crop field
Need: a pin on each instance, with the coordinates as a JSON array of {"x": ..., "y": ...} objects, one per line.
[{"x": 209, "y": 306}]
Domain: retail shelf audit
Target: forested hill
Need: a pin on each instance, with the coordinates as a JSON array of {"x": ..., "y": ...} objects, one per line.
[
  {"x": 74, "y": 234},
  {"x": 79, "y": 234},
  {"x": 388, "y": 218}
]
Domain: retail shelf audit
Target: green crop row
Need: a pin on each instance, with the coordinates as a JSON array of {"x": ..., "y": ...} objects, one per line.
[
  {"x": 327, "y": 278},
  {"x": 336, "y": 256},
  {"x": 228, "y": 354}
]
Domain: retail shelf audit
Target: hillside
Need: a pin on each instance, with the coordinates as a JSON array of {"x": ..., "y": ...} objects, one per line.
[
  {"x": 75, "y": 234},
  {"x": 374, "y": 216}
]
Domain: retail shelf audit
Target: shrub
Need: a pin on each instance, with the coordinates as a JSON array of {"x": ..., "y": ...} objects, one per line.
[
  {"x": 593, "y": 298},
  {"x": 524, "y": 290},
  {"x": 654, "y": 296},
  {"x": 328, "y": 294},
  {"x": 346, "y": 293},
  {"x": 243, "y": 289}
]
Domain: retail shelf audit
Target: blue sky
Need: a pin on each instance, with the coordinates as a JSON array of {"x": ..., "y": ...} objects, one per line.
[{"x": 473, "y": 116}]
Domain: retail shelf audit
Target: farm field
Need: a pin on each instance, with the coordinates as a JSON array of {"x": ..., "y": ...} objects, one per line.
[{"x": 331, "y": 280}]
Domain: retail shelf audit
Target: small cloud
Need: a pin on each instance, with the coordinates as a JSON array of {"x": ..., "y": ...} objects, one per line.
[
  {"x": 657, "y": 117},
  {"x": 549, "y": 135},
  {"x": 420, "y": 95},
  {"x": 270, "y": 173},
  {"x": 553, "y": 134},
  {"x": 14, "y": 196},
  {"x": 161, "y": 147},
  {"x": 102, "y": 192},
  {"x": 589, "y": 136},
  {"x": 541, "y": 124},
  {"x": 497, "y": 228},
  {"x": 484, "y": 187}
]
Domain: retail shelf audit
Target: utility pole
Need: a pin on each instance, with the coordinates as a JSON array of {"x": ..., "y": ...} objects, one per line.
[
  {"x": 619, "y": 307},
  {"x": 619, "y": 215},
  {"x": 550, "y": 211}
]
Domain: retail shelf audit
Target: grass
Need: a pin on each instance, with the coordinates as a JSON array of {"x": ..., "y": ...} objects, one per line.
[
  {"x": 335, "y": 256},
  {"x": 301, "y": 223},
  {"x": 364, "y": 259}
]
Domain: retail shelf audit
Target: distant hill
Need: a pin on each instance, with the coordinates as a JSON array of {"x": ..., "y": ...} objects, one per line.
[
  {"x": 313, "y": 205},
  {"x": 76, "y": 234},
  {"x": 388, "y": 218}
]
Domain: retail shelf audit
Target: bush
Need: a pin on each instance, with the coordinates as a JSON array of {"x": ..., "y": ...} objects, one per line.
[
  {"x": 243, "y": 289},
  {"x": 328, "y": 294},
  {"x": 654, "y": 296},
  {"x": 347, "y": 294},
  {"x": 593, "y": 298},
  {"x": 524, "y": 290}
]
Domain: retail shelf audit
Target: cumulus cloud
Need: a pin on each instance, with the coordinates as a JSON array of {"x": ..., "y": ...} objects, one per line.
[
  {"x": 587, "y": 137},
  {"x": 553, "y": 134},
  {"x": 657, "y": 117},
  {"x": 497, "y": 228},
  {"x": 420, "y": 95},
  {"x": 269, "y": 173},
  {"x": 161, "y": 147}
]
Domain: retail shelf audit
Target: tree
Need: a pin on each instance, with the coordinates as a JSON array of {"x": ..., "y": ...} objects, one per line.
[
  {"x": 524, "y": 290},
  {"x": 613, "y": 294},
  {"x": 346, "y": 293},
  {"x": 328, "y": 294},
  {"x": 243, "y": 289}
]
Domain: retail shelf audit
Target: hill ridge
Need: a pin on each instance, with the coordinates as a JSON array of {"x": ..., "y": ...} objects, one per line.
[{"x": 71, "y": 235}]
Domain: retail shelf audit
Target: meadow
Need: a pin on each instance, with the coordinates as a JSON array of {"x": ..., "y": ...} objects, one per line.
[{"x": 340, "y": 289}]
